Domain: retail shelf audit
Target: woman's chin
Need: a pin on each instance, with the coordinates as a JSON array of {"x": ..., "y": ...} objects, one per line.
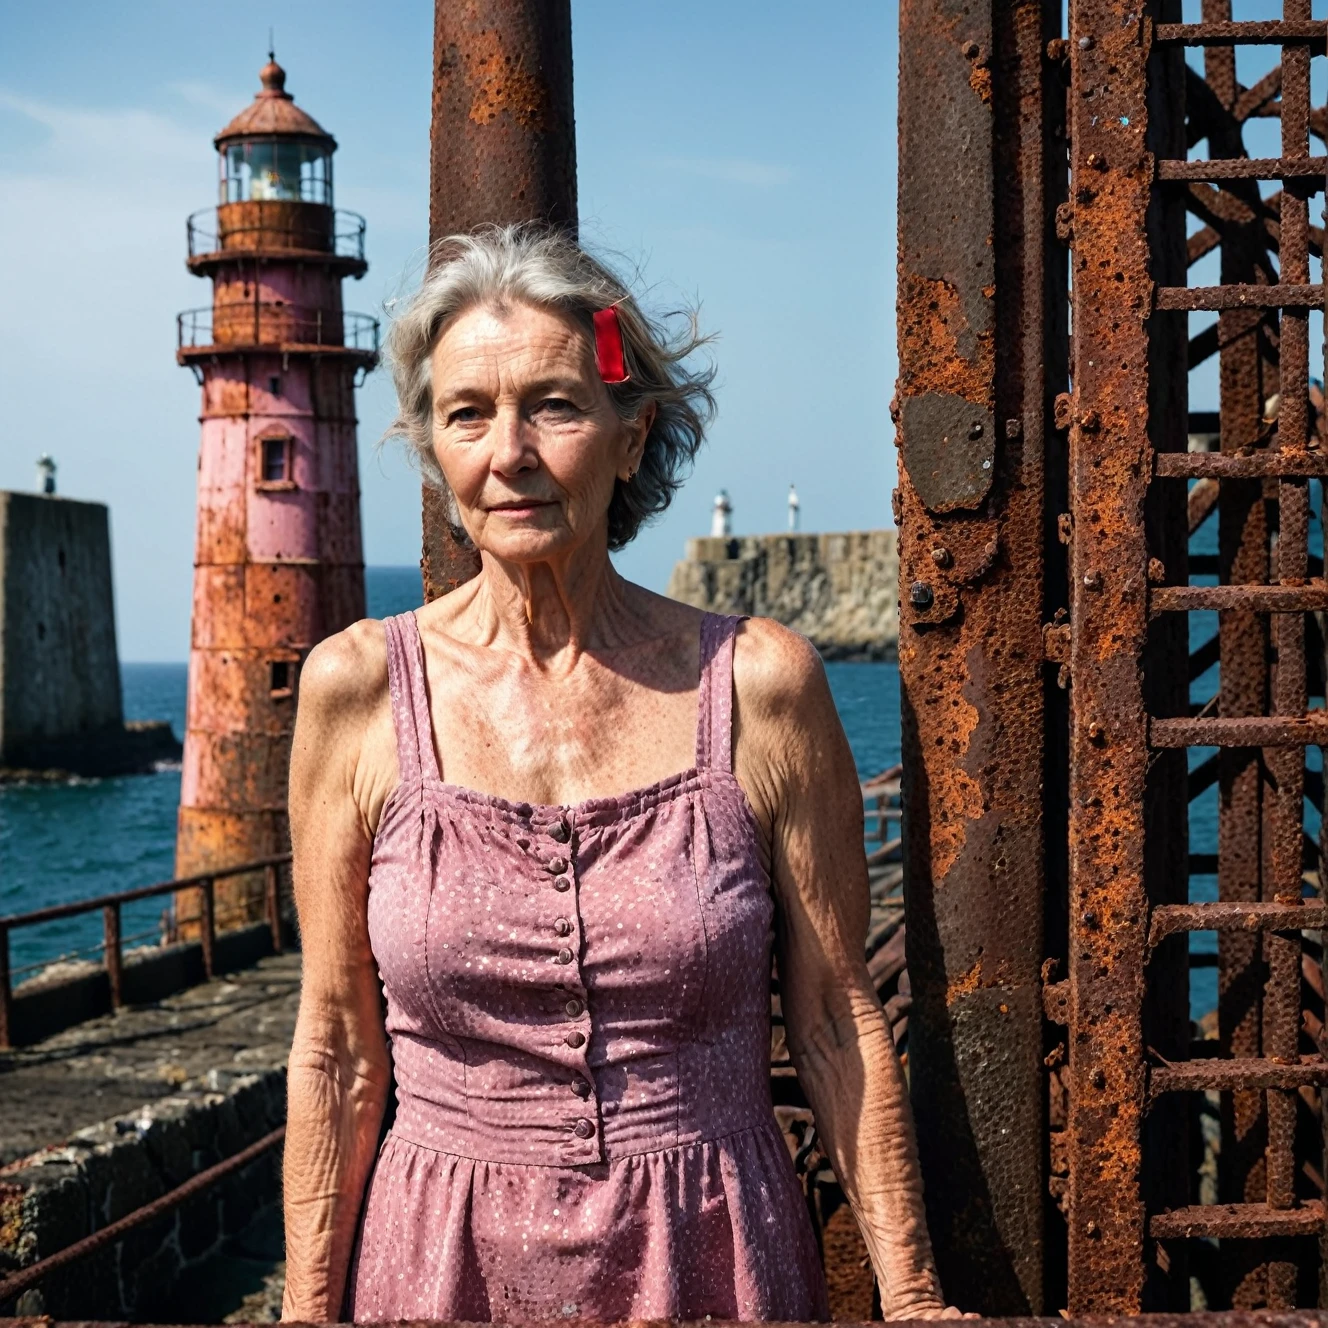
[{"x": 528, "y": 546}]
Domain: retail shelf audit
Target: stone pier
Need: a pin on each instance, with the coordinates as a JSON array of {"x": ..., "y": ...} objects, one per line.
[{"x": 840, "y": 590}]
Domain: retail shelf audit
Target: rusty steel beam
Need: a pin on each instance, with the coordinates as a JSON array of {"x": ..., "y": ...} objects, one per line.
[
  {"x": 1127, "y": 812},
  {"x": 978, "y": 122},
  {"x": 502, "y": 149}
]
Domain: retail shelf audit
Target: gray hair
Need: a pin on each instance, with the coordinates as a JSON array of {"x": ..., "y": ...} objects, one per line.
[{"x": 537, "y": 265}]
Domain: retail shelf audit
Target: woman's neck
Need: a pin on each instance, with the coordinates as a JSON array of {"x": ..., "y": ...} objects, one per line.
[{"x": 551, "y": 612}]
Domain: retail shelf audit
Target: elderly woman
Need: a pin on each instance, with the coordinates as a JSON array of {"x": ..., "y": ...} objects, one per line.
[{"x": 544, "y": 831}]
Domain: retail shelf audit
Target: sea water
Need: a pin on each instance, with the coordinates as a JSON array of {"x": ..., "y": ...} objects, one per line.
[{"x": 61, "y": 842}]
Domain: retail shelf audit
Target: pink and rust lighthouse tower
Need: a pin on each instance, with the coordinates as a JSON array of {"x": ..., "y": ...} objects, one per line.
[{"x": 278, "y": 562}]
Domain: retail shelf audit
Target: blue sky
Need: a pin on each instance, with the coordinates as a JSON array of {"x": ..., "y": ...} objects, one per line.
[{"x": 739, "y": 152}]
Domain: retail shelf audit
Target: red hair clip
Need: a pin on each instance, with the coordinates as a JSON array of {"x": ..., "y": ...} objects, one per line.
[{"x": 609, "y": 345}]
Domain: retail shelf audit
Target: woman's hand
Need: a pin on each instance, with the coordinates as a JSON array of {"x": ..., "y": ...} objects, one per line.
[
  {"x": 339, "y": 1070},
  {"x": 793, "y": 760}
]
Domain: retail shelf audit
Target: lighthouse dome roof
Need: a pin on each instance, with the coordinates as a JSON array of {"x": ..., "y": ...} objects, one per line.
[{"x": 273, "y": 112}]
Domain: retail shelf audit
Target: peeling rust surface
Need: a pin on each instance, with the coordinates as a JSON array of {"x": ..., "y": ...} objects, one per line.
[{"x": 973, "y": 421}]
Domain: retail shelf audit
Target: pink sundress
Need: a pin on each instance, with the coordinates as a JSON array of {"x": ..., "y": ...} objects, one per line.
[{"x": 578, "y": 1005}]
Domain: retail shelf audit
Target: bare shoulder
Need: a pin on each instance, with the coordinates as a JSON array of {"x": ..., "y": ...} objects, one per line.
[
  {"x": 345, "y": 674},
  {"x": 777, "y": 674}
]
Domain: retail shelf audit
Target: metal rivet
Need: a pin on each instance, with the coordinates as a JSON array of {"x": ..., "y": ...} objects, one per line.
[
  {"x": 920, "y": 595},
  {"x": 580, "y": 1088},
  {"x": 971, "y": 50},
  {"x": 561, "y": 883},
  {"x": 1092, "y": 580},
  {"x": 576, "y": 1039},
  {"x": 583, "y": 1129},
  {"x": 1086, "y": 43},
  {"x": 941, "y": 556},
  {"x": 1097, "y": 161},
  {"x": 574, "y": 1008},
  {"x": 975, "y": 429},
  {"x": 562, "y": 927},
  {"x": 564, "y": 956},
  {"x": 1090, "y": 1228}
]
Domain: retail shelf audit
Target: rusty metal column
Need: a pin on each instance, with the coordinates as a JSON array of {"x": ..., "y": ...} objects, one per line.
[
  {"x": 1110, "y": 467},
  {"x": 502, "y": 149},
  {"x": 976, "y": 152}
]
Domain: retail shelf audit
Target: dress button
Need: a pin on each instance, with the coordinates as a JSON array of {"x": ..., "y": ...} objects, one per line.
[
  {"x": 562, "y": 927},
  {"x": 561, "y": 883},
  {"x": 580, "y": 1088},
  {"x": 559, "y": 832},
  {"x": 564, "y": 956},
  {"x": 575, "y": 1039},
  {"x": 574, "y": 1008},
  {"x": 583, "y": 1129},
  {"x": 557, "y": 866}
]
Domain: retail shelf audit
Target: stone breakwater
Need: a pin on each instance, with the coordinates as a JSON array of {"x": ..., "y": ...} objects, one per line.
[{"x": 839, "y": 590}]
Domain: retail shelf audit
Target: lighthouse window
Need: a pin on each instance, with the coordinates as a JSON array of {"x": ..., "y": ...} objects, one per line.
[
  {"x": 276, "y": 169},
  {"x": 282, "y": 681},
  {"x": 277, "y": 460}
]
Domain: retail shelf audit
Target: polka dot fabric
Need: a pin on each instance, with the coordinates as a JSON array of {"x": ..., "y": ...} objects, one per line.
[{"x": 579, "y": 1009}]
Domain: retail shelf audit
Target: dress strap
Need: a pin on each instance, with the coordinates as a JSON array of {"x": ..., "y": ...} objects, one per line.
[
  {"x": 714, "y": 699},
  {"x": 410, "y": 698}
]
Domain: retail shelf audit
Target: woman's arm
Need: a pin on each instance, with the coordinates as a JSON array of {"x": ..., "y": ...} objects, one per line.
[
  {"x": 338, "y": 1074},
  {"x": 794, "y": 762}
]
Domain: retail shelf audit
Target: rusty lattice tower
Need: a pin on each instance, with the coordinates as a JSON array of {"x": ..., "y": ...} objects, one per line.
[
  {"x": 1112, "y": 650},
  {"x": 279, "y": 563}
]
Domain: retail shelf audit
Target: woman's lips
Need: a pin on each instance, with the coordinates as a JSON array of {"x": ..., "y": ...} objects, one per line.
[{"x": 518, "y": 510}]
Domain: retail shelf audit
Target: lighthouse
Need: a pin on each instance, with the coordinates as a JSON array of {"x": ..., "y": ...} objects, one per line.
[{"x": 278, "y": 559}]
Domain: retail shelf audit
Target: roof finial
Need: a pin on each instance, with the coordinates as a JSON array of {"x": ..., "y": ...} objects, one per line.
[{"x": 271, "y": 46}]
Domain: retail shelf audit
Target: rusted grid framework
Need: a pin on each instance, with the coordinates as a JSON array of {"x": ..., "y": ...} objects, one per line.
[
  {"x": 1139, "y": 1114},
  {"x": 1136, "y": 109}
]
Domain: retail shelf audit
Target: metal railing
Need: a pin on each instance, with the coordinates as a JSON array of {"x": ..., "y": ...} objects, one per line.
[
  {"x": 276, "y": 234},
  {"x": 15, "y": 1284},
  {"x": 113, "y": 942},
  {"x": 275, "y": 324}
]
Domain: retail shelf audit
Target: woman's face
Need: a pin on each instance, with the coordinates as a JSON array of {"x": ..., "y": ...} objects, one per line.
[{"x": 525, "y": 433}]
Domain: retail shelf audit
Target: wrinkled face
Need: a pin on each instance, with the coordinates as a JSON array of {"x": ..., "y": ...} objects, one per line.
[{"x": 525, "y": 433}]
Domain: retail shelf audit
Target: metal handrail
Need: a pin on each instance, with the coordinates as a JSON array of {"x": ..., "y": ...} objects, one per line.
[
  {"x": 24, "y": 1279},
  {"x": 113, "y": 942},
  {"x": 276, "y": 324},
  {"x": 205, "y": 235}
]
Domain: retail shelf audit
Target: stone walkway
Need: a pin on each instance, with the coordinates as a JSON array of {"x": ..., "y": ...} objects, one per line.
[{"x": 237, "y": 1023}]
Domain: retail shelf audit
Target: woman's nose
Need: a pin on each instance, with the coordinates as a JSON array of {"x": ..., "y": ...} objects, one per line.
[{"x": 512, "y": 443}]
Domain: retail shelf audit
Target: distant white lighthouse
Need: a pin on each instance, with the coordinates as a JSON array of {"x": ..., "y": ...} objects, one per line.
[
  {"x": 793, "y": 506},
  {"x": 721, "y": 516}
]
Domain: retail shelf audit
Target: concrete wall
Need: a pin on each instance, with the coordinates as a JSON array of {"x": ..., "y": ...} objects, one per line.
[
  {"x": 59, "y": 673},
  {"x": 840, "y": 590}
]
